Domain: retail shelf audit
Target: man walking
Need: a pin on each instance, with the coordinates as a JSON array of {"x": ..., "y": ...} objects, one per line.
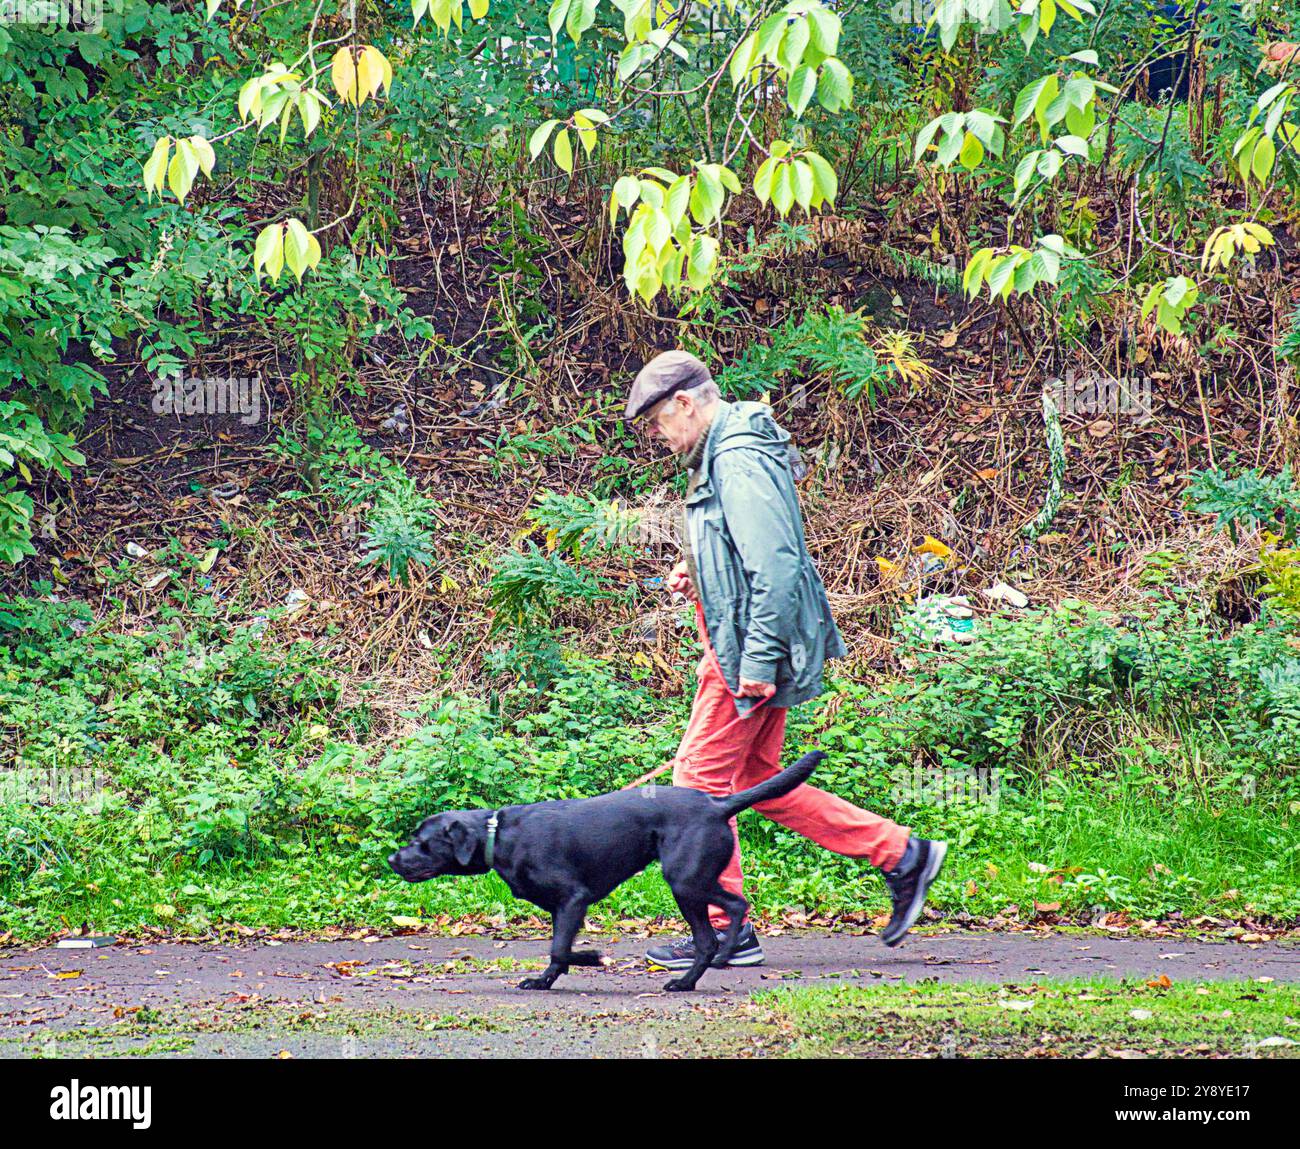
[{"x": 766, "y": 628}]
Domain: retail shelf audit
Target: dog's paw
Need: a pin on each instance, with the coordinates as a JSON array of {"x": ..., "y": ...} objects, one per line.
[
  {"x": 679, "y": 985},
  {"x": 534, "y": 983}
]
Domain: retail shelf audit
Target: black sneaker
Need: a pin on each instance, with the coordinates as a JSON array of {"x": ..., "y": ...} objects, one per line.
[
  {"x": 908, "y": 890},
  {"x": 681, "y": 954}
]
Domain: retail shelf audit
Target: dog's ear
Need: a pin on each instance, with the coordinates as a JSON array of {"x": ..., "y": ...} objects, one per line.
[{"x": 464, "y": 840}]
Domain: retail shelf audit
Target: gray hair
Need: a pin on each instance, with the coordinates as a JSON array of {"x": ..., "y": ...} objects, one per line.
[{"x": 705, "y": 393}]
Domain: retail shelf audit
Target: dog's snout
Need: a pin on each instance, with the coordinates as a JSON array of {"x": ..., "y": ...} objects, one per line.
[{"x": 393, "y": 858}]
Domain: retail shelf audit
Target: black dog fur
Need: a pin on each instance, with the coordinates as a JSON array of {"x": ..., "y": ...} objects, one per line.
[{"x": 564, "y": 856}]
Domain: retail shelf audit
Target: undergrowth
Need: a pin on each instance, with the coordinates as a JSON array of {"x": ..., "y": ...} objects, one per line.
[{"x": 196, "y": 773}]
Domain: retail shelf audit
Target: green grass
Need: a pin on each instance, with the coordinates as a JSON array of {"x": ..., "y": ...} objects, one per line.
[
  {"x": 1078, "y": 1018},
  {"x": 1099, "y": 849},
  {"x": 237, "y": 788}
]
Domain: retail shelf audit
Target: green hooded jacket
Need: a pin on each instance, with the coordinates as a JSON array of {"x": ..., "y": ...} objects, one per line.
[{"x": 764, "y": 605}]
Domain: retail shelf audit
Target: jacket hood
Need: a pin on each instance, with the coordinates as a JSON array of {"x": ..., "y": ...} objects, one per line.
[{"x": 747, "y": 424}]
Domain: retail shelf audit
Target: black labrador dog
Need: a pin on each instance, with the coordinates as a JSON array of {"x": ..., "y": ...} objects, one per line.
[{"x": 564, "y": 856}]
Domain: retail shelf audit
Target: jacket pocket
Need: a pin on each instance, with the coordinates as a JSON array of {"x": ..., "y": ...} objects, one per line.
[{"x": 715, "y": 557}]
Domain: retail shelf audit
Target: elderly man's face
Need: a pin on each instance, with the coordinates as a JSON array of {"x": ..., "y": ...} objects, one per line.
[{"x": 678, "y": 421}]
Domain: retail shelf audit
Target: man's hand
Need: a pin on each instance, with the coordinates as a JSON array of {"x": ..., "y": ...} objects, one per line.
[
  {"x": 679, "y": 582},
  {"x": 751, "y": 688}
]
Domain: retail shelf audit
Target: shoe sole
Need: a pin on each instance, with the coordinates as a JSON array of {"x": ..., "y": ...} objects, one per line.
[
  {"x": 746, "y": 957},
  {"x": 740, "y": 958},
  {"x": 938, "y": 851}
]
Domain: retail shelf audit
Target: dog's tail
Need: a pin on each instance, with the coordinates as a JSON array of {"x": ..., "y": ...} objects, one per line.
[{"x": 774, "y": 787}]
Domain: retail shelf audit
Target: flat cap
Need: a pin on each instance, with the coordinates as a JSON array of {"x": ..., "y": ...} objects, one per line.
[{"x": 664, "y": 375}]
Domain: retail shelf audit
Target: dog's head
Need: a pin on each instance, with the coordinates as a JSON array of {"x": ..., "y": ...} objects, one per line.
[{"x": 444, "y": 844}]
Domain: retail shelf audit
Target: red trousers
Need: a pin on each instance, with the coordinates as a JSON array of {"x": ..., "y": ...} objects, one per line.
[{"x": 751, "y": 751}]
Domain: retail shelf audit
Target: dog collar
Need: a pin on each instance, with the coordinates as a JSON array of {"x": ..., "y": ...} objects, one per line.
[{"x": 490, "y": 846}]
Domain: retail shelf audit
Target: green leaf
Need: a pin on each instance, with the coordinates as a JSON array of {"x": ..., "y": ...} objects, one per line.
[
  {"x": 763, "y": 179},
  {"x": 782, "y": 190},
  {"x": 679, "y": 196},
  {"x": 793, "y": 45},
  {"x": 155, "y": 167},
  {"x": 926, "y": 136},
  {"x": 801, "y": 181},
  {"x": 973, "y": 279},
  {"x": 1025, "y": 172},
  {"x": 703, "y": 261},
  {"x": 1041, "y": 91},
  {"x": 296, "y": 246},
  {"x": 825, "y": 28},
  {"x": 801, "y": 89},
  {"x": 742, "y": 59},
  {"x": 1261, "y": 165},
  {"x": 824, "y": 178},
  {"x": 268, "y": 251},
  {"x": 557, "y": 16},
  {"x": 581, "y": 16},
  {"x": 834, "y": 86},
  {"x": 627, "y": 190},
  {"x": 537, "y": 141},
  {"x": 769, "y": 36},
  {"x": 563, "y": 150},
  {"x": 707, "y": 198}
]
